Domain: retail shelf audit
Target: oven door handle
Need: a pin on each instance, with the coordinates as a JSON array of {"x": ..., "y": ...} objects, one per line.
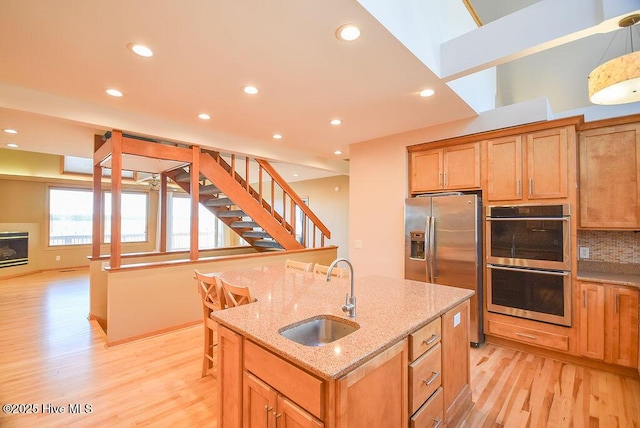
[
  {"x": 549, "y": 272},
  {"x": 527, "y": 218}
]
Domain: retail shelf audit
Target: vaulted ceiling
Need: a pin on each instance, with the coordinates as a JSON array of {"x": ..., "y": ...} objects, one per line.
[{"x": 58, "y": 58}]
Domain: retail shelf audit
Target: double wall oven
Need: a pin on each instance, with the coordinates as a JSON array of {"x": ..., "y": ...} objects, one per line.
[{"x": 529, "y": 262}]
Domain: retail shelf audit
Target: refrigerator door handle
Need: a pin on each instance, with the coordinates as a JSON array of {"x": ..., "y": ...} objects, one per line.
[
  {"x": 427, "y": 245},
  {"x": 432, "y": 250}
]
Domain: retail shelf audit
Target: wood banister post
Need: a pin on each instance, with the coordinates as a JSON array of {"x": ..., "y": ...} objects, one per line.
[
  {"x": 116, "y": 199},
  {"x": 194, "y": 170}
]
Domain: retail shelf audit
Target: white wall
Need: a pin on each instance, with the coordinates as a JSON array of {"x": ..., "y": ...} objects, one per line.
[{"x": 330, "y": 205}]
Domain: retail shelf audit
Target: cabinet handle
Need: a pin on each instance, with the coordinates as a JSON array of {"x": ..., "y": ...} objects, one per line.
[
  {"x": 584, "y": 298},
  {"x": 445, "y": 179},
  {"x": 432, "y": 339},
  {"x": 440, "y": 179},
  {"x": 528, "y": 336},
  {"x": 438, "y": 423},
  {"x": 275, "y": 418},
  {"x": 531, "y": 185},
  {"x": 518, "y": 187},
  {"x": 616, "y": 303},
  {"x": 433, "y": 377},
  {"x": 267, "y": 409}
]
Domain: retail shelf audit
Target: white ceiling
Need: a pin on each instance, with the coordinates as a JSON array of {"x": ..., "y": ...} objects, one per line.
[{"x": 58, "y": 57}]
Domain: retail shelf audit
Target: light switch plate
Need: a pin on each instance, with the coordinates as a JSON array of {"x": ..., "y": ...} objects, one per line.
[
  {"x": 584, "y": 253},
  {"x": 357, "y": 243},
  {"x": 456, "y": 319}
]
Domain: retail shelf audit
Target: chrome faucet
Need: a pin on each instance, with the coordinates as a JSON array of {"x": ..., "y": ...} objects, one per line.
[{"x": 349, "y": 301}]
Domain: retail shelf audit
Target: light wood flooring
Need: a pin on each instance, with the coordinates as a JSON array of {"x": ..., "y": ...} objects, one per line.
[{"x": 52, "y": 356}]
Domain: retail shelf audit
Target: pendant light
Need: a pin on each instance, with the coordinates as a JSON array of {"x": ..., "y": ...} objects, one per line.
[{"x": 617, "y": 81}]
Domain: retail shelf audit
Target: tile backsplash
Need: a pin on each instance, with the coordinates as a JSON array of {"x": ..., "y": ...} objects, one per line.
[{"x": 611, "y": 246}]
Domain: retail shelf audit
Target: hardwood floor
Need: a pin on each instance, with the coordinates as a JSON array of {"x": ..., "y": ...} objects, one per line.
[{"x": 51, "y": 356}]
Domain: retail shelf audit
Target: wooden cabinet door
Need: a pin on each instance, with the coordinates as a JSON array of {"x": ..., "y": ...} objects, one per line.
[
  {"x": 291, "y": 416},
  {"x": 456, "y": 377},
  {"x": 259, "y": 403},
  {"x": 622, "y": 322},
  {"x": 229, "y": 378},
  {"x": 426, "y": 170},
  {"x": 504, "y": 168},
  {"x": 462, "y": 166},
  {"x": 375, "y": 394},
  {"x": 547, "y": 164},
  {"x": 609, "y": 177},
  {"x": 592, "y": 320}
]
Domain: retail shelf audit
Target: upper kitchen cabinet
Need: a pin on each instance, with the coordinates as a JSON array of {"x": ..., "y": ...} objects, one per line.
[
  {"x": 529, "y": 166},
  {"x": 609, "y": 178},
  {"x": 446, "y": 168}
]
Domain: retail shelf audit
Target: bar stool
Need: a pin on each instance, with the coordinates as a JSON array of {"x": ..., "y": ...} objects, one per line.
[
  {"x": 294, "y": 264},
  {"x": 212, "y": 300},
  {"x": 337, "y": 272},
  {"x": 235, "y": 295}
]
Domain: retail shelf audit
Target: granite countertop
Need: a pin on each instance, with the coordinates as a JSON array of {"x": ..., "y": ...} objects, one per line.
[
  {"x": 387, "y": 310},
  {"x": 610, "y": 273}
]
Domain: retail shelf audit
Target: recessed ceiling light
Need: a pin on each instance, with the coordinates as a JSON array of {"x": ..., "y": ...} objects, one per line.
[
  {"x": 295, "y": 175},
  {"x": 348, "y": 32},
  {"x": 204, "y": 116},
  {"x": 427, "y": 92},
  {"x": 140, "y": 50},
  {"x": 251, "y": 90},
  {"x": 114, "y": 92},
  {"x": 10, "y": 131},
  {"x": 335, "y": 122},
  {"x": 12, "y": 145},
  {"x": 337, "y": 152},
  {"x": 277, "y": 136}
]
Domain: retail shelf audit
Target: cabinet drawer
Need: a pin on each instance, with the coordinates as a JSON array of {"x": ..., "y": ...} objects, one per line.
[
  {"x": 305, "y": 389},
  {"x": 425, "y": 376},
  {"x": 431, "y": 413},
  {"x": 425, "y": 338},
  {"x": 530, "y": 335}
]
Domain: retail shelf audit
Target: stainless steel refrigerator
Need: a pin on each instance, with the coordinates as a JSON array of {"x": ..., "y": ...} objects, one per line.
[{"x": 443, "y": 245}]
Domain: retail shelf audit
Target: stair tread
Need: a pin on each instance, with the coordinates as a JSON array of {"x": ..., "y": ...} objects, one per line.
[
  {"x": 255, "y": 234},
  {"x": 231, "y": 213},
  {"x": 243, "y": 223},
  {"x": 186, "y": 176},
  {"x": 266, "y": 244},
  {"x": 209, "y": 189},
  {"x": 218, "y": 202}
]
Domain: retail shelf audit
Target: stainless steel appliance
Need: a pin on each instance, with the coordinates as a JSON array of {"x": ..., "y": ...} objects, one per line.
[
  {"x": 536, "y": 236},
  {"x": 529, "y": 262},
  {"x": 443, "y": 239}
]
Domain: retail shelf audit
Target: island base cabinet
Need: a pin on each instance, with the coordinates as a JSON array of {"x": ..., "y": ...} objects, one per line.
[
  {"x": 456, "y": 376},
  {"x": 229, "y": 378},
  {"x": 375, "y": 394},
  {"x": 264, "y": 407}
]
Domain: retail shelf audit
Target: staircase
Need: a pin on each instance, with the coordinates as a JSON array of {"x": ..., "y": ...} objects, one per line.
[{"x": 246, "y": 210}]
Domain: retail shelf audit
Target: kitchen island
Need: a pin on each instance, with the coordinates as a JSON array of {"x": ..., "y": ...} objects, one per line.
[{"x": 407, "y": 360}]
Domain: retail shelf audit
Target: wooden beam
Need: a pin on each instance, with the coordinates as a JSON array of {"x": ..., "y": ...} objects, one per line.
[
  {"x": 132, "y": 146},
  {"x": 116, "y": 198},
  {"x": 164, "y": 199},
  {"x": 195, "y": 200},
  {"x": 97, "y": 200}
]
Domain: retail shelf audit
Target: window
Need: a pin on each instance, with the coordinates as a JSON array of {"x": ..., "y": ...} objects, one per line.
[
  {"x": 133, "y": 217},
  {"x": 71, "y": 217},
  {"x": 210, "y": 228}
]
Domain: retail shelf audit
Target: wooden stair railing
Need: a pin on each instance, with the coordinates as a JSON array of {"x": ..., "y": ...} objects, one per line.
[{"x": 242, "y": 200}]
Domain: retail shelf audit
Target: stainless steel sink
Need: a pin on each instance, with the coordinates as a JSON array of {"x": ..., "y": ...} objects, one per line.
[{"x": 319, "y": 330}]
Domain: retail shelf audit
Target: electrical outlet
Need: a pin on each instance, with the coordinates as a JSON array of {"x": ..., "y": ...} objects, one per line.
[
  {"x": 57, "y": 258},
  {"x": 357, "y": 243},
  {"x": 584, "y": 253}
]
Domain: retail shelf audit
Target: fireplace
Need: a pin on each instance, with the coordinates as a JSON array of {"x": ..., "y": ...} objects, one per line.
[{"x": 14, "y": 249}]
